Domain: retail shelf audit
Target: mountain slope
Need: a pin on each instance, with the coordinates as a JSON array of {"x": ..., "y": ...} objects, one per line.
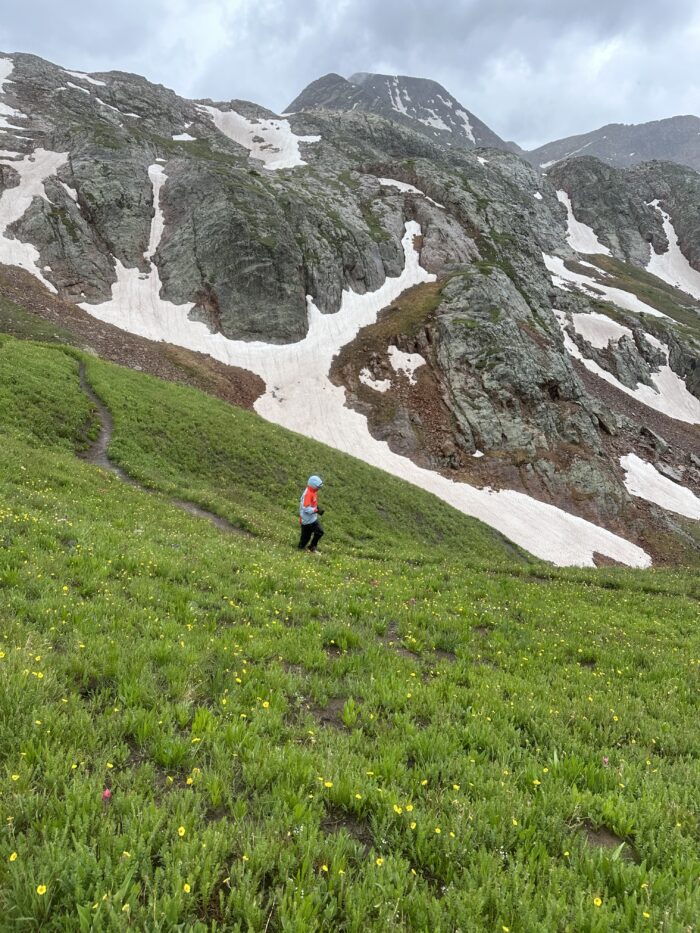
[
  {"x": 208, "y": 720},
  {"x": 272, "y": 245},
  {"x": 676, "y": 139},
  {"x": 419, "y": 103}
]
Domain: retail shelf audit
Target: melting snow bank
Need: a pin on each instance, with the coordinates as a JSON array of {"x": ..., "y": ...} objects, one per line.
[
  {"x": 563, "y": 278},
  {"x": 672, "y": 266},
  {"x": 409, "y": 189},
  {"x": 6, "y": 69},
  {"x": 136, "y": 305},
  {"x": 643, "y": 480},
  {"x": 299, "y": 396},
  {"x": 406, "y": 363},
  {"x": 581, "y": 237},
  {"x": 271, "y": 141},
  {"x": 379, "y": 385},
  {"x": 669, "y": 394},
  {"x": 33, "y": 171},
  {"x": 83, "y": 77}
]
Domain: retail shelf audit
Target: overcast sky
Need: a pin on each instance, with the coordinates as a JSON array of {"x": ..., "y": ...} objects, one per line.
[{"x": 534, "y": 70}]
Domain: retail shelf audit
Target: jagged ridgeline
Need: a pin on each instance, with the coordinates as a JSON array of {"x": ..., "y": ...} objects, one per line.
[{"x": 365, "y": 271}]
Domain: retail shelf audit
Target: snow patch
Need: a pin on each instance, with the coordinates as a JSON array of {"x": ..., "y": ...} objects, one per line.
[
  {"x": 482, "y": 161},
  {"x": 33, "y": 171},
  {"x": 122, "y": 113},
  {"x": 409, "y": 189},
  {"x": 563, "y": 277},
  {"x": 406, "y": 363},
  {"x": 83, "y": 90},
  {"x": 83, "y": 77},
  {"x": 184, "y": 138},
  {"x": 580, "y": 236},
  {"x": 672, "y": 266},
  {"x": 537, "y": 195},
  {"x": 433, "y": 120},
  {"x": 395, "y": 94},
  {"x": 478, "y": 454},
  {"x": 643, "y": 480},
  {"x": 71, "y": 192},
  {"x": 598, "y": 329},
  {"x": 379, "y": 385},
  {"x": 6, "y": 68},
  {"x": 271, "y": 141},
  {"x": 300, "y": 396},
  {"x": 464, "y": 116},
  {"x": 668, "y": 395}
]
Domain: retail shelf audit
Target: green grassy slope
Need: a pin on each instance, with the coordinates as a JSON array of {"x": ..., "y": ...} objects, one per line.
[{"x": 422, "y": 730}]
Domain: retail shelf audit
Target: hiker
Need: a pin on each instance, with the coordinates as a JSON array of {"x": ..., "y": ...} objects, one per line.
[{"x": 309, "y": 511}]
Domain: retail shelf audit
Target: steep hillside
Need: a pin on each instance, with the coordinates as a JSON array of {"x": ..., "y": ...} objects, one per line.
[
  {"x": 419, "y": 103},
  {"x": 425, "y": 307},
  {"x": 676, "y": 139},
  {"x": 201, "y": 728}
]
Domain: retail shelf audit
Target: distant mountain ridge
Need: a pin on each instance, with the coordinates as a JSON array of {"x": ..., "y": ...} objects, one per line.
[
  {"x": 428, "y": 108},
  {"x": 676, "y": 139},
  {"x": 420, "y": 103}
]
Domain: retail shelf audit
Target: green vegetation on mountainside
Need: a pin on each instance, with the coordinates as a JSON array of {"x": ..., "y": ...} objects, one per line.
[
  {"x": 419, "y": 731},
  {"x": 673, "y": 302}
]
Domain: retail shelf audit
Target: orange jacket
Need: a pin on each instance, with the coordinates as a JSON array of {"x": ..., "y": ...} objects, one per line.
[{"x": 308, "y": 507}]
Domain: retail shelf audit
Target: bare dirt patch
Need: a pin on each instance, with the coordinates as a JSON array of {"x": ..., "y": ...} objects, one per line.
[
  {"x": 340, "y": 821},
  {"x": 392, "y": 640},
  {"x": 603, "y": 838},
  {"x": 330, "y": 715}
]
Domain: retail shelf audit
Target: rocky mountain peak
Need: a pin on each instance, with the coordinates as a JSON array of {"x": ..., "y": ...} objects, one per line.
[{"x": 421, "y": 103}]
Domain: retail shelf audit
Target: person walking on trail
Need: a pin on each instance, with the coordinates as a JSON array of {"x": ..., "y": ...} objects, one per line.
[{"x": 311, "y": 528}]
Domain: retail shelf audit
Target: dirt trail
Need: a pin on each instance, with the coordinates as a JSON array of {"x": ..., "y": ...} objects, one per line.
[{"x": 97, "y": 455}]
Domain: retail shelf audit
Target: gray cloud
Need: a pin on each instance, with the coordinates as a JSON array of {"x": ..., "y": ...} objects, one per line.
[{"x": 534, "y": 71}]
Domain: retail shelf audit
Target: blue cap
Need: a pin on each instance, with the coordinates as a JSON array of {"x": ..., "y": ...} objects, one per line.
[{"x": 315, "y": 481}]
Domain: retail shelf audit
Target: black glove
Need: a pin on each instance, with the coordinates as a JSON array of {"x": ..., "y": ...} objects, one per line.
[{"x": 320, "y": 511}]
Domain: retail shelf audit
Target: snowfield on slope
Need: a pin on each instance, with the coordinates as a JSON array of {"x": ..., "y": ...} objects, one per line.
[
  {"x": 407, "y": 189},
  {"x": 271, "y": 141},
  {"x": 33, "y": 171},
  {"x": 580, "y": 236},
  {"x": 669, "y": 394},
  {"x": 565, "y": 278},
  {"x": 672, "y": 266},
  {"x": 6, "y": 69},
  {"x": 300, "y": 396},
  {"x": 643, "y": 480}
]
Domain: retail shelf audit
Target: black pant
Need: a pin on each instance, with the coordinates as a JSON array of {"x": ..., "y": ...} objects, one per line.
[{"x": 312, "y": 532}]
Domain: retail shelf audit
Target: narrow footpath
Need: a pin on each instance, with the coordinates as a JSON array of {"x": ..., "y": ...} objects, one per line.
[{"x": 97, "y": 455}]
